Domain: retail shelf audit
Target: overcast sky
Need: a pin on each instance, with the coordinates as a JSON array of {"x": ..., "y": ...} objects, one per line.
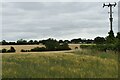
[{"x": 59, "y": 20}]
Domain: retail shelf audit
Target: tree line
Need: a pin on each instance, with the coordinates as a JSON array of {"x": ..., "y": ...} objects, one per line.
[
  {"x": 30, "y": 42},
  {"x": 98, "y": 40},
  {"x": 111, "y": 42}
]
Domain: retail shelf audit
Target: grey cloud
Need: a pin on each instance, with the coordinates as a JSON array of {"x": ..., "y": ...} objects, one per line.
[{"x": 64, "y": 20}]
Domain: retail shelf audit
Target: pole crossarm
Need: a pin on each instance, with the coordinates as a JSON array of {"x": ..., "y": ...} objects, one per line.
[{"x": 109, "y": 5}]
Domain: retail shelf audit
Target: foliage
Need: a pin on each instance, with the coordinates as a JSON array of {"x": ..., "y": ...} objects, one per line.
[
  {"x": 4, "y": 50},
  {"x": 25, "y": 50},
  {"x": 101, "y": 47},
  {"x": 10, "y": 50},
  {"x": 110, "y": 39},
  {"x": 51, "y": 44},
  {"x": 76, "y": 40},
  {"x": 36, "y": 49},
  {"x": 99, "y": 40},
  {"x": 21, "y": 41}
]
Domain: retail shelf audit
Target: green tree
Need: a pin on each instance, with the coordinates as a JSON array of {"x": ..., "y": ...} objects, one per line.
[
  {"x": 76, "y": 40},
  {"x": 36, "y": 42},
  {"x": 118, "y": 35},
  {"x": 110, "y": 39},
  {"x": 51, "y": 44},
  {"x": 21, "y": 41},
  {"x": 61, "y": 41},
  {"x": 4, "y": 42},
  {"x": 99, "y": 40},
  {"x": 30, "y": 42},
  {"x": 118, "y": 42}
]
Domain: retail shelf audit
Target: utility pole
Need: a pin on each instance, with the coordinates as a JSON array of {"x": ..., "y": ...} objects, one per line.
[{"x": 111, "y": 18}]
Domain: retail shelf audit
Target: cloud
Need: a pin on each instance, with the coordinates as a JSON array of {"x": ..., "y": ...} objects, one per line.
[{"x": 60, "y": 20}]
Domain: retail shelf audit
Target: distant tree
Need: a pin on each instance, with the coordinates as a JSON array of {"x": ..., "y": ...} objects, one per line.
[
  {"x": 66, "y": 46},
  {"x": 21, "y": 41},
  {"x": 11, "y": 43},
  {"x": 118, "y": 42},
  {"x": 11, "y": 49},
  {"x": 118, "y": 35},
  {"x": 4, "y": 42},
  {"x": 30, "y": 42},
  {"x": 110, "y": 39},
  {"x": 4, "y": 50},
  {"x": 61, "y": 41},
  {"x": 40, "y": 41},
  {"x": 99, "y": 40},
  {"x": 51, "y": 44},
  {"x": 36, "y": 42},
  {"x": 83, "y": 40},
  {"x": 1, "y": 43},
  {"x": 89, "y": 41},
  {"x": 66, "y": 41},
  {"x": 76, "y": 40}
]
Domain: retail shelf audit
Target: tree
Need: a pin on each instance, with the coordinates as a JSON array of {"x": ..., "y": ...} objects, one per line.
[
  {"x": 36, "y": 42},
  {"x": 110, "y": 39},
  {"x": 30, "y": 42},
  {"x": 99, "y": 40},
  {"x": 118, "y": 42},
  {"x": 61, "y": 41},
  {"x": 118, "y": 35},
  {"x": 76, "y": 40},
  {"x": 11, "y": 49},
  {"x": 51, "y": 44},
  {"x": 4, "y": 50},
  {"x": 4, "y": 42},
  {"x": 21, "y": 41},
  {"x": 66, "y": 41}
]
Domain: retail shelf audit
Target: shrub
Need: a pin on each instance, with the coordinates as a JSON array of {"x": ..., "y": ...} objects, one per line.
[
  {"x": 101, "y": 47},
  {"x": 11, "y": 49},
  {"x": 4, "y": 50},
  {"x": 38, "y": 49}
]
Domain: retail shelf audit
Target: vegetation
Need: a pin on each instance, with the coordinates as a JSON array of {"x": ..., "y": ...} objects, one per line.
[
  {"x": 6, "y": 51},
  {"x": 93, "y": 61},
  {"x": 78, "y": 64},
  {"x": 99, "y": 40},
  {"x": 111, "y": 43},
  {"x": 31, "y": 42},
  {"x": 50, "y": 45}
]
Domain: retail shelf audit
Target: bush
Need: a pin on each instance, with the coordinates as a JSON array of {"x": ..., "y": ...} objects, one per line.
[
  {"x": 4, "y": 50},
  {"x": 38, "y": 49},
  {"x": 22, "y": 50},
  {"x": 101, "y": 47},
  {"x": 11, "y": 49}
]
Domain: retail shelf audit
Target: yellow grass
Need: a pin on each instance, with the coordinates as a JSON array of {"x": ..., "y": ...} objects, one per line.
[{"x": 28, "y": 47}]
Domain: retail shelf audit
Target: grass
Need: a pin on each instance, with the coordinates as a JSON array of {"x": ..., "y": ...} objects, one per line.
[{"x": 78, "y": 64}]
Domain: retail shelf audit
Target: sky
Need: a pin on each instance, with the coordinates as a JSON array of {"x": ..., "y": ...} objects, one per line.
[{"x": 59, "y": 20}]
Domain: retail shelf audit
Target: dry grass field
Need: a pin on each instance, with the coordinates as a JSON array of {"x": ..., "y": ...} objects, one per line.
[
  {"x": 80, "y": 64},
  {"x": 28, "y": 47},
  {"x": 59, "y": 64}
]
